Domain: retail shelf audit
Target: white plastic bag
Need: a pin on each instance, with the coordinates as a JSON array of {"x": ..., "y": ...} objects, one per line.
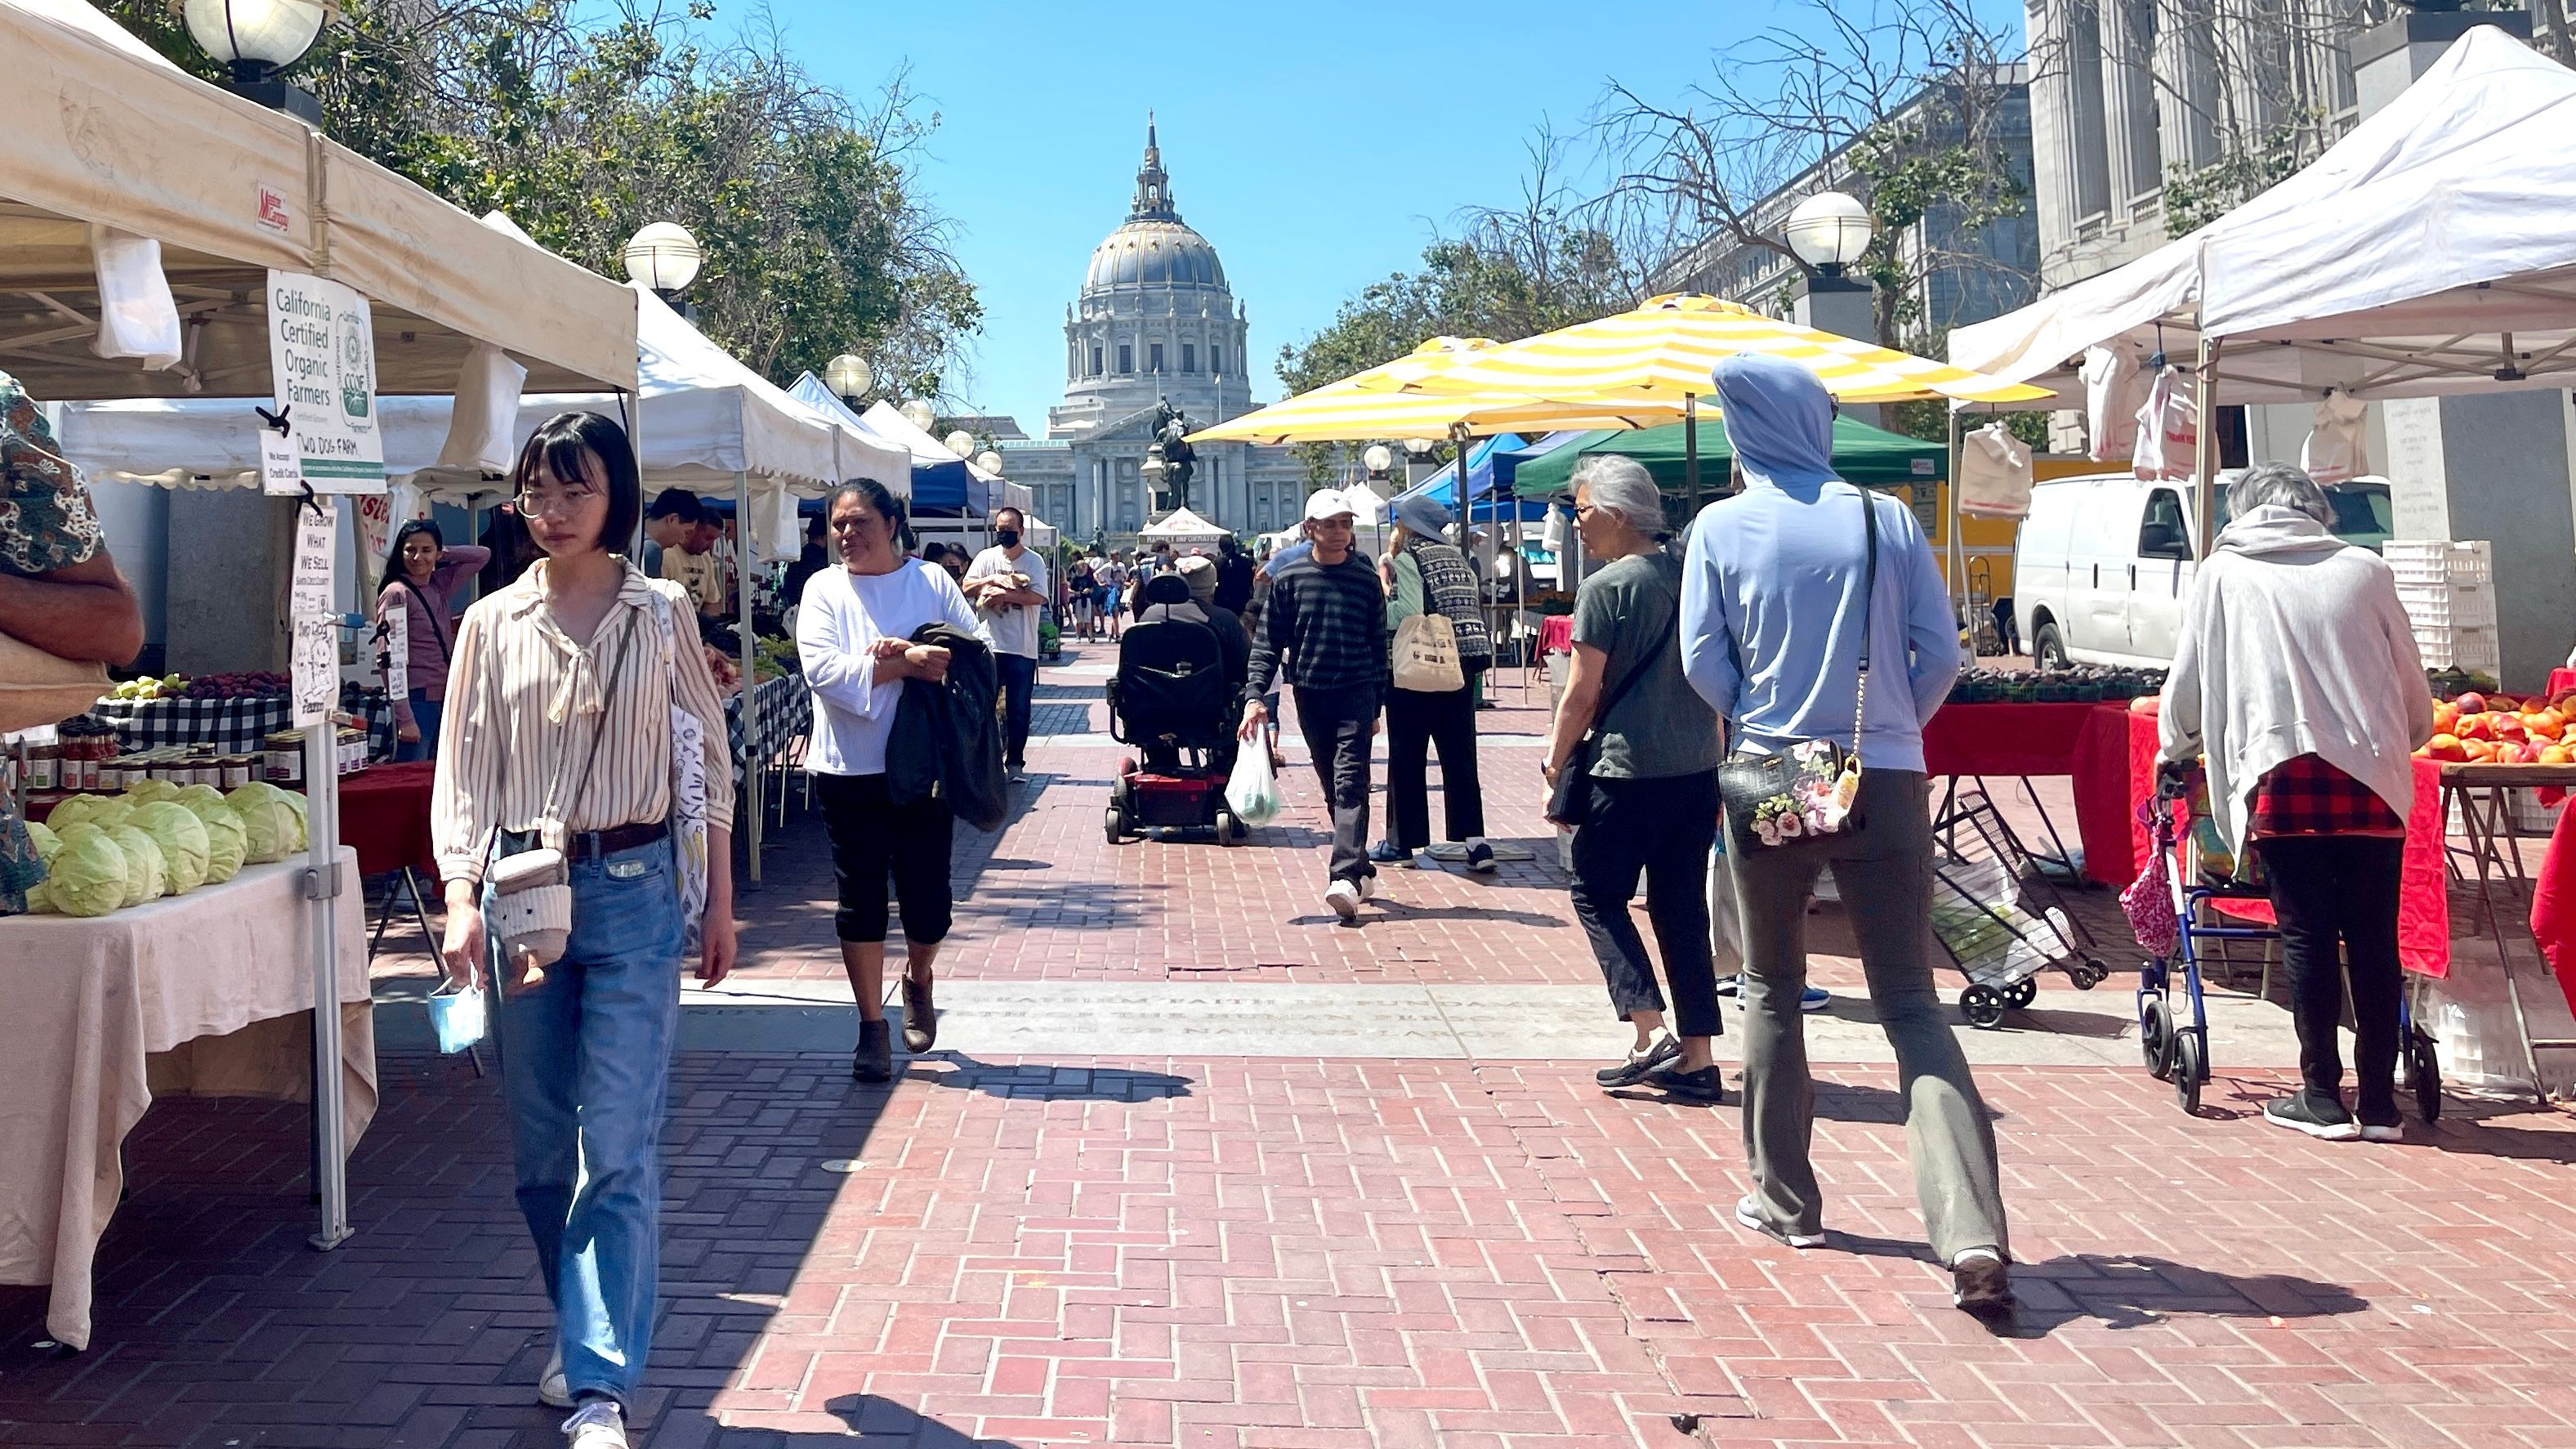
[
  {"x": 2168, "y": 431},
  {"x": 2335, "y": 450},
  {"x": 2112, "y": 388},
  {"x": 137, "y": 316},
  {"x": 1994, "y": 474},
  {"x": 1252, "y": 792}
]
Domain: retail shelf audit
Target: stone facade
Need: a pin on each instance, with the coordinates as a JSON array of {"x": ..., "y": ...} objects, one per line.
[{"x": 1155, "y": 321}]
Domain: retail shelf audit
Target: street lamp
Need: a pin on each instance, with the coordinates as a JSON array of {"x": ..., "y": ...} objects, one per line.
[
  {"x": 918, "y": 413},
  {"x": 1378, "y": 460},
  {"x": 664, "y": 257},
  {"x": 848, "y": 377},
  {"x": 961, "y": 442},
  {"x": 990, "y": 462},
  {"x": 1828, "y": 231},
  {"x": 257, "y": 39}
]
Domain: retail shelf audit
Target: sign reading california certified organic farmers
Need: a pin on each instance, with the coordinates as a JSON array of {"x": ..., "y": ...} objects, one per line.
[{"x": 322, "y": 356}]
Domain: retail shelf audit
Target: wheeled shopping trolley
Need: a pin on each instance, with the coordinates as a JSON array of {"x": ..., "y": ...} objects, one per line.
[{"x": 1999, "y": 919}]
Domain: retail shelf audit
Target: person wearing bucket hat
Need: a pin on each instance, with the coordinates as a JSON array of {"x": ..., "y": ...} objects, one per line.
[
  {"x": 1428, "y": 576},
  {"x": 1323, "y": 629}
]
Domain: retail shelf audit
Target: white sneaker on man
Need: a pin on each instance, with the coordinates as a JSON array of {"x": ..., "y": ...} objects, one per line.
[
  {"x": 552, "y": 1390},
  {"x": 1368, "y": 887},
  {"x": 1344, "y": 897},
  {"x": 599, "y": 1424}
]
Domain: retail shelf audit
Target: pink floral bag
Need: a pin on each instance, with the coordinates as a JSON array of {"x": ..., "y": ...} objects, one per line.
[
  {"x": 1803, "y": 795},
  {"x": 2149, "y": 900}
]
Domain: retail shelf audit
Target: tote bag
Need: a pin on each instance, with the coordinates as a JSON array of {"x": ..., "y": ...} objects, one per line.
[
  {"x": 37, "y": 688},
  {"x": 1426, "y": 655}
]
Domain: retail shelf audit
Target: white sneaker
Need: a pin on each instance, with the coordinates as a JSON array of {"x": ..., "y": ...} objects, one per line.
[
  {"x": 1344, "y": 898},
  {"x": 599, "y": 1424},
  {"x": 1368, "y": 887},
  {"x": 1749, "y": 1213},
  {"x": 552, "y": 1391}
]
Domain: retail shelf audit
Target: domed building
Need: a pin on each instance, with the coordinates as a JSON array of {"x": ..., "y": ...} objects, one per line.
[{"x": 1155, "y": 321}]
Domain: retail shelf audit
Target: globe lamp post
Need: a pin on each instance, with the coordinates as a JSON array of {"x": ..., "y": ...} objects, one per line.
[
  {"x": 849, "y": 378},
  {"x": 663, "y": 257},
  {"x": 918, "y": 413},
  {"x": 257, "y": 39}
]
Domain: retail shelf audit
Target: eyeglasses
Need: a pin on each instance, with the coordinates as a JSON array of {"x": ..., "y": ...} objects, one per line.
[{"x": 552, "y": 502}]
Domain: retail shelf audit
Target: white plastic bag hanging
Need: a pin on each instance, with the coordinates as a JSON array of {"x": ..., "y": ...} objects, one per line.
[
  {"x": 137, "y": 316},
  {"x": 1994, "y": 473},
  {"x": 2168, "y": 445},
  {"x": 1252, "y": 792},
  {"x": 2335, "y": 450},
  {"x": 483, "y": 428},
  {"x": 2111, "y": 394}
]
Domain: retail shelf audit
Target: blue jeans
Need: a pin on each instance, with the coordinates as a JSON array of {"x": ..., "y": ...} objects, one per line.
[
  {"x": 1019, "y": 678},
  {"x": 586, "y": 1065},
  {"x": 425, "y": 713}
]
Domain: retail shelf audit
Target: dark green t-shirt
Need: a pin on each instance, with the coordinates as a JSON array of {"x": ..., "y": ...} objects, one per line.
[{"x": 1631, "y": 610}]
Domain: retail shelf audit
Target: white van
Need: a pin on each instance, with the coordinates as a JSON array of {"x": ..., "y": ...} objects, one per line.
[{"x": 2103, "y": 563}]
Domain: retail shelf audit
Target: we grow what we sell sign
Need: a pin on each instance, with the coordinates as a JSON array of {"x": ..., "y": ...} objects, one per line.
[{"x": 322, "y": 357}]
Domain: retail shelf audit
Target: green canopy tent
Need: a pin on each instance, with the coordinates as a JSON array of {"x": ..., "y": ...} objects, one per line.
[{"x": 1862, "y": 453}]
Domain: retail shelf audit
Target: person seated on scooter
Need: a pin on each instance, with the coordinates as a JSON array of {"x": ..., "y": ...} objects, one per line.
[
  {"x": 2298, "y": 678},
  {"x": 1169, "y": 598}
]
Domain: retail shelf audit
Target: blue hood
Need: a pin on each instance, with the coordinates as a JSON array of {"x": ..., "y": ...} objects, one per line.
[{"x": 1780, "y": 419}]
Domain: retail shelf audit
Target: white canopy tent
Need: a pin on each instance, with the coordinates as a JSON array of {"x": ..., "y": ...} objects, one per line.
[
  {"x": 2428, "y": 252},
  {"x": 115, "y": 139},
  {"x": 1182, "y": 526}
]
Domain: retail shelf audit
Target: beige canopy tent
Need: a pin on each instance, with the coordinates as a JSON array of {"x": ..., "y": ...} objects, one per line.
[{"x": 104, "y": 133}]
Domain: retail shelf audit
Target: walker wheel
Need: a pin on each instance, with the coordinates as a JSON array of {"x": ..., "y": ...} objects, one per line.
[
  {"x": 1113, "y": 822},
  {"x": 1983, "y": 1006},
  {"x": 2021, "y": 994},
  {"x": 2191, "y": 1068},
  {"x": 2424, "y": 1075},
  {"x": 2156, "y": 1037}
]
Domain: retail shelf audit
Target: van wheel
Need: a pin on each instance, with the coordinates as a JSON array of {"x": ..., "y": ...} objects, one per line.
[{"x": 2048, "y": 647}]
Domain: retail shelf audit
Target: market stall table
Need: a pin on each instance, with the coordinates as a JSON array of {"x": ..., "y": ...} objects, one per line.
[
  {"x": 209, "y": 993},
  {"x": 2490, "y": 855},
  {"x": 384, "y": 817},
  {"x": 2027, "y": 739}
]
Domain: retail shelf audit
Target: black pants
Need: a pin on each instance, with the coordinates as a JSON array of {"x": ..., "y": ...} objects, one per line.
[
  {"x": 1019, "y": 686},
  {"x": 872, "y": 837},
  {"x": 1338, "y": 725},
  {"x": 1664, "y": 828},
  {"x": 2327, "y": 888},
  {"x": 1414, "y": 722}
]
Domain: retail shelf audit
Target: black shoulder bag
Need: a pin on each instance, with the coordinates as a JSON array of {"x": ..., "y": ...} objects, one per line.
[
  {"x": 1566, "y": 801},
  {"x": 1802, "y": 796}
]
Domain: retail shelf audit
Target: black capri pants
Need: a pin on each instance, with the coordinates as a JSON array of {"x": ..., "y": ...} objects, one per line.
[{"x": 874, "y": 838}]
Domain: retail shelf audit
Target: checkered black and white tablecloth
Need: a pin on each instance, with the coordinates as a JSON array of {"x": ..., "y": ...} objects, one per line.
[
  {"x": 232, "y": 726},
  {"x": 781, "y": 710}
]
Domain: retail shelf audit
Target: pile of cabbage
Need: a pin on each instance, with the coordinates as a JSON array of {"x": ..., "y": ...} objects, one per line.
[{"x": 104, "y": 853}]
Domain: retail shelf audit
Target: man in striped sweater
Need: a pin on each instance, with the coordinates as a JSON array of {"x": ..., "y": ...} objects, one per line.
[{"x": 1323, "y": 629}]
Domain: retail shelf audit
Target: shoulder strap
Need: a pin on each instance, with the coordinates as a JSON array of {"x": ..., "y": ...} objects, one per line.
[
  {"x": 1868, "y": 593},
  {"x": 1663, "y": 633},
  {"x": 437, "y": 625}
]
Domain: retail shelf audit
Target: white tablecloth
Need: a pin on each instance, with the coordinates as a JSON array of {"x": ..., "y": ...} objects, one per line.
[{"x": 209, "y": 993}]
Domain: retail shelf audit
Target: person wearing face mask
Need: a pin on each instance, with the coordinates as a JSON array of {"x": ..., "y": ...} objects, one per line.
[{"x": 1007, "y": 584}]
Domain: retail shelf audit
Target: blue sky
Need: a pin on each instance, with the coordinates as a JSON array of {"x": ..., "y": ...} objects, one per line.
[{"x": 1317, "y": 145}]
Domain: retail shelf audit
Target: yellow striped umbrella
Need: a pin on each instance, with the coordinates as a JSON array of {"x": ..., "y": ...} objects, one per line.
[
  {"x": 1650, "y": 362},
  {"x": 1374, "y": 404}
]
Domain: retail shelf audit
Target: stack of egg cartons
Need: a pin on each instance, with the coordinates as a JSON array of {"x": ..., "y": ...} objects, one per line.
[{"x": 2449, "y": 592}]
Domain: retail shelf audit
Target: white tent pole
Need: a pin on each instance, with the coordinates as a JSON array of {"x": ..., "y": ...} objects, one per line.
[
  {"x": 1958, "y": 547},
  {"x": 322, "y": 885},
  {"x": 2205, "y": 459},
  {"x": 743, "y": 637}
]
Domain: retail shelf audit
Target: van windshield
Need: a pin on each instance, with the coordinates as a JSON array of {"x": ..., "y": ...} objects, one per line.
[{"x": 2361, "y": 512}]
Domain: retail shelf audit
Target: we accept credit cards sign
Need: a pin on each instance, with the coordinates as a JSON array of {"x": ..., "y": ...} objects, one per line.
[{"x": 322, "y": 358}]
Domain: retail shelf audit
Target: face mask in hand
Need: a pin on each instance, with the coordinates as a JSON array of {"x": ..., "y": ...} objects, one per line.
[{"x": 1008, "y": 537}]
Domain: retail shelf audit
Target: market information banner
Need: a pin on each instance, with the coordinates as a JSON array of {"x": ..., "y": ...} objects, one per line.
[
  {"x": 322, "y": 361},
  {"x": 317, "y": 644}
]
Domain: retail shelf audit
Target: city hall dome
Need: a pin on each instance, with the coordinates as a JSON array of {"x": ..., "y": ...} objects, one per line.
[{"x": 1155, "y": 248}]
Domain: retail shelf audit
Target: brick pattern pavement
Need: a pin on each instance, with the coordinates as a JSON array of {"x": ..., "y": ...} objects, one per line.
[{"x": 1276, "y": 1254}]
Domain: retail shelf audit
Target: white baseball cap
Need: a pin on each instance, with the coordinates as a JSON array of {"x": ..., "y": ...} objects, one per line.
[{"x": 1326, "y": 503}]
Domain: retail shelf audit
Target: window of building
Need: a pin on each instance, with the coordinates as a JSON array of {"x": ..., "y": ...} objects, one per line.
[
  {"x": 2088, "y": 125},
  {"x": 1095, "y": 362},
  {"x": 1126, "y": 357},
  {"x": 1189, "y": 357},
  {"x": 1154, "y": 357},
  {"x": 1216, "y": 358}
]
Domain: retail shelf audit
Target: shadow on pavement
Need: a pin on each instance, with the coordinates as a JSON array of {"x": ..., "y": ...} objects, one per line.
[
  {"x": 2121, "y": 1290},
  {"x": 1046, "y": 1083}
]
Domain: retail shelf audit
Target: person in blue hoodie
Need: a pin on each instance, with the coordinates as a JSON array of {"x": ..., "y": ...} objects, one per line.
[{"x": 1774, "y": 592}]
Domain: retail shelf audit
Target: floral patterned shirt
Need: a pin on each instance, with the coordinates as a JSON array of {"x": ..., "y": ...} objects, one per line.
[{"x": 46, "y": 523}]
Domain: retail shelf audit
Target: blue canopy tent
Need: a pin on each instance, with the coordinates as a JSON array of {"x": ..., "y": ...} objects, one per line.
[
  {"x": 1486, "y": 503},
  {"x": 941, "y": 483}
]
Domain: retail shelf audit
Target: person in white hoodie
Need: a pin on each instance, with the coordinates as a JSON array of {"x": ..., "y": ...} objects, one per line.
[{"x": 2299, "y": 680}]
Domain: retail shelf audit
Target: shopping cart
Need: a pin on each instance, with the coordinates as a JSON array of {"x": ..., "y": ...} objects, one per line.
[
  {"x": 2218, "y": 901},
  {"x": 1998, "y": 917}
]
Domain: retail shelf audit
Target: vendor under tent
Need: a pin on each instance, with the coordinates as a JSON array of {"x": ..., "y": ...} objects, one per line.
[{"x": 203, "y": 194}]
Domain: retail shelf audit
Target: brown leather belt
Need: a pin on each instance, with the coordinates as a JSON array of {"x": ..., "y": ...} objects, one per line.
[{"x": 593, "y": 844}]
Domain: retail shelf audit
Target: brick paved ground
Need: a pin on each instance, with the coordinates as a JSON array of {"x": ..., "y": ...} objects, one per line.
[{"x": 1209, "y": 1253}]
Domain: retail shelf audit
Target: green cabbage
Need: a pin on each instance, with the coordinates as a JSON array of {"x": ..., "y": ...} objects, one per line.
[
  {"x": 146, "y": 792},
  {"x": 87, "y": 875},
  {"x": 182, "y": 838},
  {"x": 197, "y": 797},
  {"x": 39, "y": 903},
  {"x": 269, "y": 825},
  {"x": 47, "y": 842},
  {"x": 226, "y": 846},
  {"x": 147, "y": 875},
  {"x": 99, "y": 810}
]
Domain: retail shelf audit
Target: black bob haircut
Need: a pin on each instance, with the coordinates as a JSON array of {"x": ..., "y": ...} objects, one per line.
[
  {"x": 558, "y": 448},
  {"x": 677, "y": 503}
]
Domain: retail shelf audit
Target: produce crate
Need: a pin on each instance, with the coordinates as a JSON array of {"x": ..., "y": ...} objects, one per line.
[
  {"x": 2529, "y": 816},
  {"x": 2465, "y": 606},
  {"x": 2439, "y": 561},
  {"x": 2459, "y": 647}
]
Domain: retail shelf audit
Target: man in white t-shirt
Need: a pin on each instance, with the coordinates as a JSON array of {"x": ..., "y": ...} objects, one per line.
[{"x": 1007, "y": 584}]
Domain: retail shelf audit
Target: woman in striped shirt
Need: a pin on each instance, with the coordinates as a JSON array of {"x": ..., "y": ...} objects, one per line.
[{"x": 559, "y": 714}]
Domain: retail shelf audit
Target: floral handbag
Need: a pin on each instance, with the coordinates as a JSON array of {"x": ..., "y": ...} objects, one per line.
[{"x": 1803, "y": 795}]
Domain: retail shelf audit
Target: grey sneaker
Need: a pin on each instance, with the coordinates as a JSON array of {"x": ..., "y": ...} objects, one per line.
[
  {"x": 1664, "y": 1048},
  {"x": 1749, "y": 1213},
  {"x": 1480, "y": 857},
  {"x": 1981, "y": 1284},
  {"x": 552, "y": 1391},
  {"x": 599, "y": 1424},
  {"x": 2319, "y": 1117}
]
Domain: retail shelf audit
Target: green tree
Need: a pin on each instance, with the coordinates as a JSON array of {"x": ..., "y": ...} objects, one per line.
[{"x": 583, "y": 125}]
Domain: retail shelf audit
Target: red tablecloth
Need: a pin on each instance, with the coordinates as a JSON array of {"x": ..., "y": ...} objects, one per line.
[
  {"x": 2553, "y": 902},
  {"x": 2423, "y": 892},
  {"x": 1556, "y": 635},
  {"x": 2561, "y": 681},
  {"x": 384, "y": 815},
  {"x": 2086, "y": 742}
]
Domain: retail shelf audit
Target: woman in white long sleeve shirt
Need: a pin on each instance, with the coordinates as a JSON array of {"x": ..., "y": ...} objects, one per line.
[{"x": 853, "y": 635}]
